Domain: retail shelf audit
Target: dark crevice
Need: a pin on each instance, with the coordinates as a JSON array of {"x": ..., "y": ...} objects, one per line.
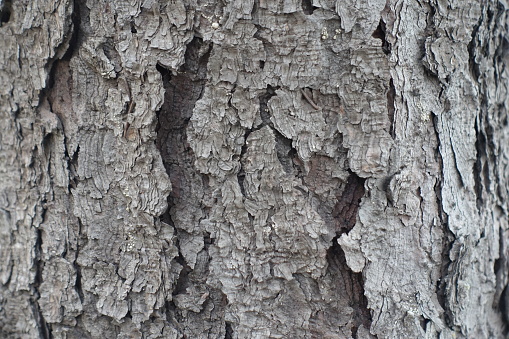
[
  {"x": 472, "y": 46},
  {"x": 307, "y": 7},
  {"x": 347, "y": 206},
  {"x": 74, "y": 39},
  {"x": 480, "y": 146},
  {"x": 380, "y": 33},
  {"x": 133, "y": 27},
  {"x": 501, "y": 269},
  {"x": 504, "y": 309},
  {"x": 44, "y": 327},
  {"x": 228, "y": 330},
  {"x": 58, "y": 66},
  {"x": 391, "y": 95},
  {"x": 448, "y": 240},
  {"x": 78, "y": 285},
  {"x": 355, "y": 329},
  {"x": 183, "y": 280},
  {"x": 350, "y": 284},
  {"x": 501, "y": 52},
  {"x": 264, "y": 107},
  {"x": 285, "y": 152},
  {"x": 5, "y": 12},
  {"x": 241, "y": 175},
  {"x": 72, "y": 165},
  {"x": 183, "y": 89},
  {"x": 424, "y": 322}
]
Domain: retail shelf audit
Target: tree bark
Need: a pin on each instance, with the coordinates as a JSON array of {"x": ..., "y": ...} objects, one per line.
[{"x": 254, "y": 169}]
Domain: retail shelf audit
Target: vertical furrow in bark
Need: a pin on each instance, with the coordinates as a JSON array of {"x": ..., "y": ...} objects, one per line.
[
  {"x": 44, "y": 327},
  {"x": 183, "y": 88},
  {"x": 345, "y": 214}
]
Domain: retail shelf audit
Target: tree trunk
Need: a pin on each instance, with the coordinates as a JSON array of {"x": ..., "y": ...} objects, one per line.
[{"x": 254, "y": 169}]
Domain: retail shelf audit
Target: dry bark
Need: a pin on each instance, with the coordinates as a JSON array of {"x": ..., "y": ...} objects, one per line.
[{"x": 253, "y": 169}]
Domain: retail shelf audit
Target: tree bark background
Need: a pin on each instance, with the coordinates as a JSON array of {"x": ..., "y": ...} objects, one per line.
[{"x": 253, "y": 169}]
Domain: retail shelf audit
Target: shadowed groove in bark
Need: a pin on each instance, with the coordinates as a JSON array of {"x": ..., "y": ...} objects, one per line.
[
  {"x": 307, "y": 7},
  {"x": 346, "y": 209},
  {"x": 44, "y": 327},
  {"x": 448, "y": 240},
  {"x": 391, "y": 95},
  {"x": 379, "y": 33},
  {"x": 480, "y": 145},
  {"x": 78, "y": 283},
  {"x": 228, "y": 331},
  {"x": 182, "y": 91},
  {"x": 183, "y": 88},
  {"x": 350, "y": 283},
  {"x": 504, "y": 308},
  {"x": 5, "y": 12}
]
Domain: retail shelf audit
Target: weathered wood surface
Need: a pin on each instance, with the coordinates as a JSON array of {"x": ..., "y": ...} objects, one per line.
[{"x": 253, "y": 169}]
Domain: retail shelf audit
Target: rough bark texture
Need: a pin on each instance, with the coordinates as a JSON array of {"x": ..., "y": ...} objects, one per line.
[{"x": 254, "y": 169}]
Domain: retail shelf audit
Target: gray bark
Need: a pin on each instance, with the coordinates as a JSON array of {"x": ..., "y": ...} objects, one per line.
[{"x": 253, "y": 169}]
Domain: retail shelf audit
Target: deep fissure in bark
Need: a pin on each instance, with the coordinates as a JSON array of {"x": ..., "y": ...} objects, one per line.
[
  {"x": 501, "y": 268},
  {"x": 504, "y": 308},
  {"x": 485, "y": 145},
  {"x": 44, "y": 327},
  {"x": 183, "y": 88},
  {"x": 391, "y": 96},
  {"x": 448, "y": 239},
  {"x": 472, "y": 47},
  {"x": 77, "y": 284},
  {"x": 480, "y": 145},
  {"x": 307, "y": 7},
  {"x": 264, "y": 107},
  {"x": 5, "y": 12},
  {"x": 228, "y": 330},
  {"x": 241, "y": 174},
  {"x": 380, "y": 33},
  {"x": 350, "y": 283},
  {"x": 346, "y": 209}
]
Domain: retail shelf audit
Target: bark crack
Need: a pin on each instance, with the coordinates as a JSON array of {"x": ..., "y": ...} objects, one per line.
[
  {"x": 391, "y": 95},
  {"x": 380, "y": 33},
  {"x": 44, "y": 327},
  {"x": 347, "y": 207},
  {"x": 5, "y": 11},
  {"x": 183, "y": 88},
  {"x": 345, "y": 215},
  {"x": 307, "y": 7},
  {"x": 448, "y": 240},
  {"x": 351, "y": 285}
]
